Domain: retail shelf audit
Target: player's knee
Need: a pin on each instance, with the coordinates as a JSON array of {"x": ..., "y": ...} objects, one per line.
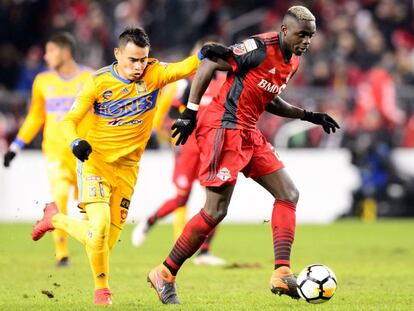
[
  {"x": 220, "y": 214},
  {"x": 98, "y": 235},
  {"x": 292, "y": 195},
  {"x": 217, "y": 212},
  {"x": 114, "y": 235},
  {"x": 181, "y": 200}
]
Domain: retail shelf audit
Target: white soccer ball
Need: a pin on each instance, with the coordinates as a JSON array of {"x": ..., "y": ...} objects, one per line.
[{"x": 316, "y": 283}]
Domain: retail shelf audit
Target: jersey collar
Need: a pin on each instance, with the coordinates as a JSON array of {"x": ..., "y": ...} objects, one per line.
[{"x": 113, "y": 72}]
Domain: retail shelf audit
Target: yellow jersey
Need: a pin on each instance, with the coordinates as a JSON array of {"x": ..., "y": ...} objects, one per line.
[
  {"x": 52, "y": 97},
  {"x": 123, "y": 110}
]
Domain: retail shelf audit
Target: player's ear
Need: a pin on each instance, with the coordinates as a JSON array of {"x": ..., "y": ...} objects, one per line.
[
  {"x": 117, "y": 53},
  {"x": 283, "y": 28}
]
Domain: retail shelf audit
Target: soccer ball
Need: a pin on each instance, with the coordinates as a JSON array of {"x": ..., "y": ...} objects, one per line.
[{"x": 316, "y": 283}]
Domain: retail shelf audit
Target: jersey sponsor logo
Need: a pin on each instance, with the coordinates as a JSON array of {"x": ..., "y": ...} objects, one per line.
[
  {"x": 141, "y": 87},
  {"x": 272, "y": 71},
  {"x": 119, "y": 122},
  {"x": 59, "y": 104},
  {"x": 125, "y": 91},
  {"x": 126, "y": 107},
  {"x": 270, "y": 87},
  {"x": 224, "y": 174},
  {"x": 107, "y": 94},
  {"x": 125, "y": 203}
]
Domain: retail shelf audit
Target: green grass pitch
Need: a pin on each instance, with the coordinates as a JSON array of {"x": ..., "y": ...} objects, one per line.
[{"x": 374, "y": 264}]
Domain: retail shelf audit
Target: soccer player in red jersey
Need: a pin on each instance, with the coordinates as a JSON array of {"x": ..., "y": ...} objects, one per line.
[
  {"x": 258, "y": 70},
  {"x": 186, "y": 167}
]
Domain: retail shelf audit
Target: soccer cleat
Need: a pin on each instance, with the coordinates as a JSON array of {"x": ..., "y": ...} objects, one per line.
[
  {"x": 283, "y": 282},
  {"x": 45, "y": 224},
  {"x": 63, "y": 262},
  {"x": 103, "y": 296},
  {"x": 140, "y": 232},
  {"x": 163, "y": 282},
  {"x": 208, "y": 260}
]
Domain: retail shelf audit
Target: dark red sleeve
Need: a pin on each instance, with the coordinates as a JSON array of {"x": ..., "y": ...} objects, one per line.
[{"x": 247, "y": 54}]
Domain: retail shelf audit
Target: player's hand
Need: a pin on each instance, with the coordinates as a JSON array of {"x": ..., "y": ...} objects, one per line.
[
  {"x": 8, "y": 157},
  {"x": 214, "y": 50},
  {"x": 326, "y": 121},
  {"x": 184, "y": 126},
  {"x": 81, "y": 149}
]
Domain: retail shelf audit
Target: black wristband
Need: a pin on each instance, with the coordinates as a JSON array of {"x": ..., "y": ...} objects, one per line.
[
  {"x": 307, "y": 115},
  {"x": 192, "y": 114}
]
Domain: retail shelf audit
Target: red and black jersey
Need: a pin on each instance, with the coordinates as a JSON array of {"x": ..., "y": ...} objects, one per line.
[{"x": 260, "y": 72}]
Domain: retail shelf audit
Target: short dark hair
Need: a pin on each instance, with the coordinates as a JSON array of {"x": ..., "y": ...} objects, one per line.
[
  {"x": 64, "y": 40},
  {"x": 138, "y": 36}
]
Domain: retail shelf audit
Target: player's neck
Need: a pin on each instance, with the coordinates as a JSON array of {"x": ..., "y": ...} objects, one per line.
[
  {"x": 287, "y": 54},
  {"x": 68, "y": 69},
  {"x": 119, "y": 73}
]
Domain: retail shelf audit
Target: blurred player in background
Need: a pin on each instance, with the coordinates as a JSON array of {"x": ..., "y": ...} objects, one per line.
[
  {"x": 53, "y": 93},
  {"x": 229, "y": 142},
  {"x": 123, "y": 96},
  {"x": 186, "y": 167}
]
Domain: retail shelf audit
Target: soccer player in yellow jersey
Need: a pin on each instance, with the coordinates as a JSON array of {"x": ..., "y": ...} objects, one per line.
[
  {"x": 123, "y": 97},
  {"x": 53, "y": 93}
]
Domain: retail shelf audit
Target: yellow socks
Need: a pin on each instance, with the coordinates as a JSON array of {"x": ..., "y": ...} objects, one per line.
[
  {"x": 94, "y": 234},
  {"x": 61, "y": 237},
  {"x": 180, "y": 219}
]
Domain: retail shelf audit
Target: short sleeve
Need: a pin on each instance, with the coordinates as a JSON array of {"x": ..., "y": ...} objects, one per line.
[{"x": 247, "y": 54}]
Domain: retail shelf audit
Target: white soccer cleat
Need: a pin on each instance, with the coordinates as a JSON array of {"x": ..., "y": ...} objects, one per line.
[
  {"x": 209, "y": 260},
  {"x": 140, "y": 232}
]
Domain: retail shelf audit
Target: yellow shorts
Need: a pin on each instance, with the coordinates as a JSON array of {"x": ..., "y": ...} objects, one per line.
[
  {"x": 62, "y": 175},
  {"x": 112, "y": 183}
]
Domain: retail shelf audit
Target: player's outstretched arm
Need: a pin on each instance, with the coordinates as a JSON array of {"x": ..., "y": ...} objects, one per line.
[
  {"x": 185, "y": 124},
  {"x": 83, "y": 103},
  {"x": 33, "y": 122},
  {"x": 203, "y": 77},
  {"x": 280, "y": 107}
]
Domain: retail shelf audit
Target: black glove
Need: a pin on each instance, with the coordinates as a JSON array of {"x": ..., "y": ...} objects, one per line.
[
  {"x": 214, "y": 50},
  {"x": 81, "y": 149},
  {"x": 184, "y": 126},
  {"x": 321, "y": 118},
  {"x": 8, "y": 157}
]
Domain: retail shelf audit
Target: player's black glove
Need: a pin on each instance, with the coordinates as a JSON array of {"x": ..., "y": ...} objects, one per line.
[
  {"x": 214, "y": 50},
  {"x": 184, "y": 126},
  {"x": 323, "y": 119},
  {"x": 8, "y": 157},
  {"x": 81, "y": 149}
]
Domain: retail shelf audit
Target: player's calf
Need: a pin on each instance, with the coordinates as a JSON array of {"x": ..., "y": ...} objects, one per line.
[
  {"x": 283, "y": 282},
  {"x": 45, "y": 224}
]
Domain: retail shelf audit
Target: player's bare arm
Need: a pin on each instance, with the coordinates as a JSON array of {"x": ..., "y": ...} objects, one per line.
[
  {"x": 280, "y": 107},
  {"x": 203, "y": 77}
]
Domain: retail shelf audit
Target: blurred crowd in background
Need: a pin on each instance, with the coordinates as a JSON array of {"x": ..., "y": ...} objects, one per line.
[{"x": 360, "y": 67}]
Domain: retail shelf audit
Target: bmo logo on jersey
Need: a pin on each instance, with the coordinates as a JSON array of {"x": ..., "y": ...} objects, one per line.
[{"x": 270, "y": 87}]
